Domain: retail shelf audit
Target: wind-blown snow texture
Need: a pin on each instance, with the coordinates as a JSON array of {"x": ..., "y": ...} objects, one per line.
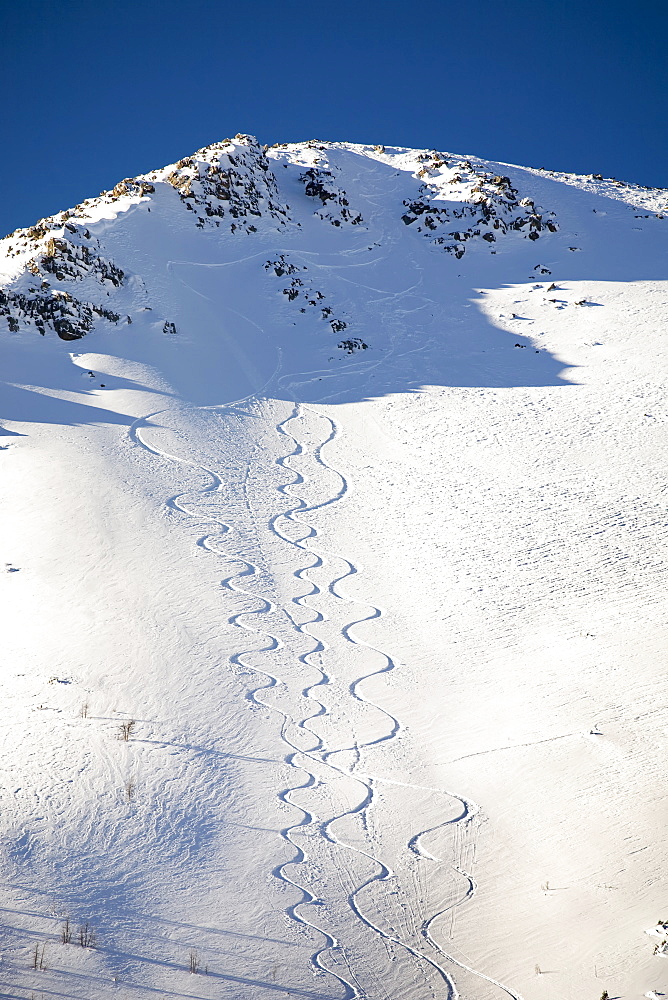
[{"x": 336, "y": 474}]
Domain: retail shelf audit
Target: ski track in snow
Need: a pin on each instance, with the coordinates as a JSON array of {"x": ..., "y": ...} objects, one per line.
[
  {"x": 326, "y": 755},
  {"x": 353, "y": 368},
  {"x": 272, "y": 681},
  {"x": 335, "y": 853},
  {"x": 318, "y": 753},
  {"x": 469, "y": 809}
]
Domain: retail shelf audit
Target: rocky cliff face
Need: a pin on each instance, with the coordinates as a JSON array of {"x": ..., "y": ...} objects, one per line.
[{"x": 228, "y": 184}]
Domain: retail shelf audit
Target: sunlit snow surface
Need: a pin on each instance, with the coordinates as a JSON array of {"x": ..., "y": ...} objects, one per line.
[{"x": 389, "y": 620}]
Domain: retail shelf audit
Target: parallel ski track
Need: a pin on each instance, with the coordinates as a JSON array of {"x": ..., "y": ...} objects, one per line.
[
  {"x": 325, "y": 754},
  {"x": 465, "y": 817},
  {"x": 318, "y": 752},
  {"x": 231, "y": 582}
]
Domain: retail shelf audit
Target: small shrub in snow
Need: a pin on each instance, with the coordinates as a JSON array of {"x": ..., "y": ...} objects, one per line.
[
  {"x": 127, "y": 729},
  {"x": 38, "y": 956},
  {"x": 87, "y": 936}
]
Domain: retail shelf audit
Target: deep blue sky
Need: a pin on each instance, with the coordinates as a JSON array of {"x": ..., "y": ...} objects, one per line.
[{"x": 91, "y": 92}]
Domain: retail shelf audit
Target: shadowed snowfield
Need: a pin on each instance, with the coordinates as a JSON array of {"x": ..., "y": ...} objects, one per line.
[{"x": 357, "y": 511}]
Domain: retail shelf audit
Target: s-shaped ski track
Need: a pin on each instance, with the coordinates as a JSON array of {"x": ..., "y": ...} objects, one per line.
[
  {"x": 319, "y": 752},
  {"x": 248, "y": 569}
]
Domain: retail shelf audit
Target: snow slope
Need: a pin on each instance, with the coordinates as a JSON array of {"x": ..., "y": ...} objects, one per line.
[{"x": 336, "y": 475}]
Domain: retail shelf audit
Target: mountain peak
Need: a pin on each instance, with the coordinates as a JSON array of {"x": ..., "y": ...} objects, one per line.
[
  {"x": 238, "y": 187},
  {"x": 334, "y": 549}
]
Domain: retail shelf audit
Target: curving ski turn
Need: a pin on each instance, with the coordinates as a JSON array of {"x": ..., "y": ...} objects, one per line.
[{"x": 326, "y": 752}]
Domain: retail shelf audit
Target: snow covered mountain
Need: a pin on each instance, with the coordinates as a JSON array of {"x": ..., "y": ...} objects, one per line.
[{"x": 334, "y": 522}]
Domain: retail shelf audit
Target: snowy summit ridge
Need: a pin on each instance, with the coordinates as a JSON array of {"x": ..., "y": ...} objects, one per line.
[
  {"x": 234, "y": 185},
  {"x": 333, "y": 518}
]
